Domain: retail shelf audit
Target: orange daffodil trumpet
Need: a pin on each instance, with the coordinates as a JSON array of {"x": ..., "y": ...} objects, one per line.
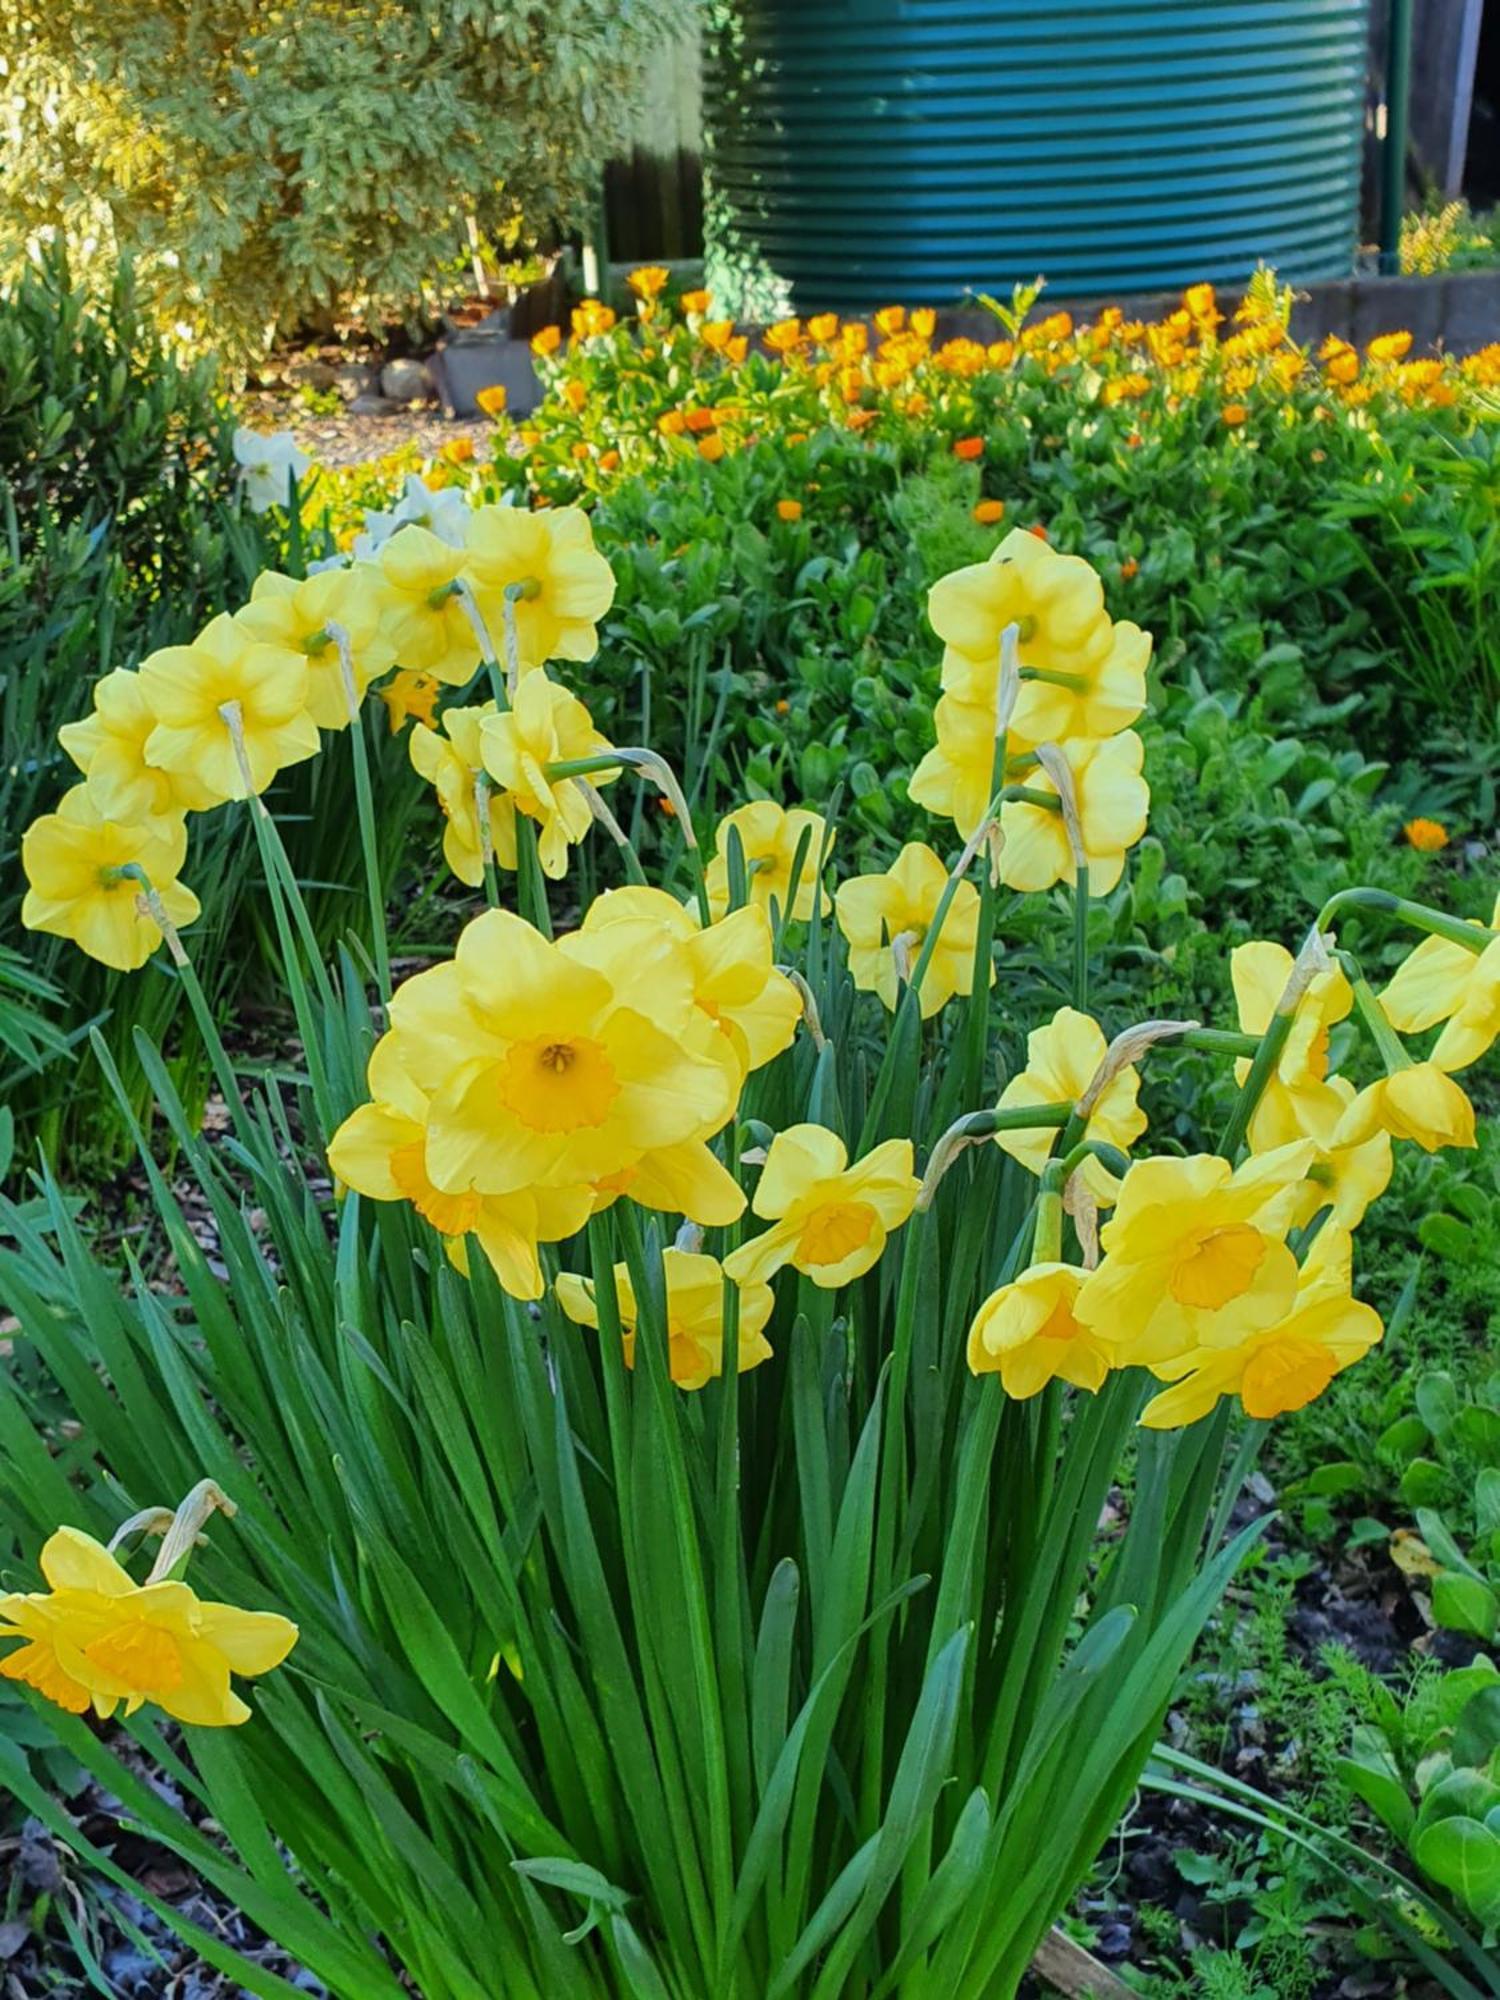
[{"x": 829, "y": 1220}]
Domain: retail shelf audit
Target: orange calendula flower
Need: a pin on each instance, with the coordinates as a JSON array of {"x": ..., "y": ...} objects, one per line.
[
  {"x": 1427, "y": 836},
  {"x": 1389, "y": 347},
  {"x": 609, "y": 461},
  {"x": 696, "y": 302},
  {"x": 823, "y": 327},
  {"x": 789, "y": 510},
  {"x": 922, "y": 322},
  {"x": 968, "y": 447},
  {"x": 716, "y": 333},
  {"x": 711, "y": 448},
  {"x": 783, "y": 336},
  {"x": 890, "y": 319},
  {"x": 988, "y": 512},
  {"x": 493, "y": 398},
  {"x": 1233, "y": 415},
  {"x": 1129, "y": 569},
  {"x": 575, "y": 394},
  {"x": 648, "y": 281},
  {"x": 547, "y": 341}
]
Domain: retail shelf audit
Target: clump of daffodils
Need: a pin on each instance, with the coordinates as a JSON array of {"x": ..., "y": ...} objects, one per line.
[{"x": 530, "y": 1083}]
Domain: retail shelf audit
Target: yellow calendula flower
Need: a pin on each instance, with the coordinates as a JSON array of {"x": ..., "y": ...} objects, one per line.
[
  {"x": 380, "y": 1150},
  {"x": 1195, "y": 1255},
  {"x": 1082, "y": 675},
  {"x": 558, "y": 583},
  {"x": 109, "y": 748},
  {"x": 771, "y": 837},
  {"x": 1259, "y": 972},
  {"x": 1282, "y": 1367},
  {"x": 1062, "y": 1059},
  {"x": 546, "y": 725},
  {"x": 421, "y": 618},
  {"x": 493, "y": 398},
  {"x": 736, "y": 984},
  {"x": 562, "y": 1064},
  {"x": 648, "y": 281},
  {"x": 406, "y": 695},
  {"x": 1420, "y": 1102},
  {"x": 1443, "y": 981},
  {"x": 1113, "y": 801},
  {"x": 830, "y": 1220},
  {"x": 886, "y": 919},
  {"x": 1026, "y": 1332},
  {"x": 695, "y": 1315},
  {"x": 188, "y": 687},
  {"x": 451, "y": 761},
  {"x": 72, "y": 860},
  {"x": 97, "y": 1639},
  {"x": 295, "y": 613}
]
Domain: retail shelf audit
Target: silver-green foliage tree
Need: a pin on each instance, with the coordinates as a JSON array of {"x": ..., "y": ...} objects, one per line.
[{"x": 265, "y": 162}]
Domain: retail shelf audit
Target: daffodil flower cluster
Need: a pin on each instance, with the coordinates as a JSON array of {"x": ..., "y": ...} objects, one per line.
[{"x": 219, "y": 718}]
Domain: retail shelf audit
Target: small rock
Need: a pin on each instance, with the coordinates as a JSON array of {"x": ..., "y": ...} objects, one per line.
[
  {"x": 406, "y": 381},
  {"x": 309, "y": 372},
  {"x": 355, "y": 378},
  {"x": 371, "y": 405}
]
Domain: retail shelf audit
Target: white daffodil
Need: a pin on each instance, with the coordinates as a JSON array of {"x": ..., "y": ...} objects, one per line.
[
  {"x": 268, "y": 466},
  {"x": 444, "y": 514}
]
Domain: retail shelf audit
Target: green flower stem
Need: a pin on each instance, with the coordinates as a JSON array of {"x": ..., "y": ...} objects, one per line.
[
  {"x": 1262, "y": 1069},
  {"x": 580, "y": 767},
  {"x": 1437, "y": 923},
  {"x": 1052, "y": 678},
  {"x": 531, "y": 884},
  {"x": 365, "y": 804},
  {"x": 1029, "y": 795},
  {"x": 1374, "y": 1018},
  {"x": 1046, "y": 1239},
  {"x": 203, "y": 1015},
  {"x": 1220, "y": 1042}
]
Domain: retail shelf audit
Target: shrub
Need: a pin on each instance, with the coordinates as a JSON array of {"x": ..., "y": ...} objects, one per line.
[{"x": 262, "y": 168}]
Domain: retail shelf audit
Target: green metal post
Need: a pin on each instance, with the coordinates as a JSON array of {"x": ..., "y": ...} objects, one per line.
[{"x": 1397, "y": 126}]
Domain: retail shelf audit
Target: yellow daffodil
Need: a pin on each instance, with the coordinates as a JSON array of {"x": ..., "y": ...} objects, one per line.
[
  {"x": 1195, "y": 1255},
  {"x": 1091, "y": 673},
  {"x": 1420, "y": 1102},
  {"x": 72, "y": 861},
  {"x": 695, "y": 1315},
  {"x": 830, "y": 1220},
  {"x": 559, "y": 1064},
  {"x": 380, "y": 1150},
  {"x": 1027, "y": 1333},
  {"x": 1259, "y": 972},
  {"x": 406, "y": 695},
  {"x": 1113, "y": 800},
  {"x": 421, "y": 618},
  {"x": 886, "y": 919},
  {"x": 1062, "y": 1060},
  {"x": 451, "y": 763},
  {"x": 770, "y": 838},
  {"x": 545, "y": 725},
  {"x": 1344, "y": 1176},
  {"x": 1282, "y": 1367},
  {"x": 736, "y": 984},
  {"x": 188, "y": 687},
  {"x": 109, "y": 748},
  {"x": 955, "y": 779},
  {"x": 294, "y": 614},
  {"x": 559, "y": 584},
  {"x": 98, "y": 1639},
  {"x": 1443, "y": 981}
]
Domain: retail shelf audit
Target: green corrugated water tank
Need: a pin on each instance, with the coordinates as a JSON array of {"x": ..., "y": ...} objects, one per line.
[{"x": 874, "y": 150}]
